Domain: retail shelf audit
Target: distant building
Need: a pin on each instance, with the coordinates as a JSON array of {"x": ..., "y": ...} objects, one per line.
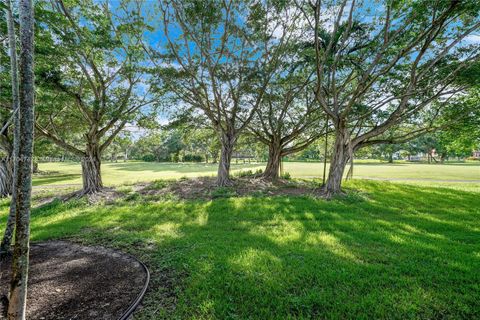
[{"x": 476, "y": 154}]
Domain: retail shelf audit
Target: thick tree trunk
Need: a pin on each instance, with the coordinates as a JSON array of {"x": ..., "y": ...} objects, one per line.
[
  {"x": 91, "y": 173},
  {"x": 223, "y": 176},
  {"x": 18, "y": 285},
  {"x": 338, "y": 163},
  {"x": 272, "y": 170}
]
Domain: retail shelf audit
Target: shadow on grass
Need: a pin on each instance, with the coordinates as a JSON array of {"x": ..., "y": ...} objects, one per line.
[
  {"x": 52, "y": 179},
  {"x": 177, "y": 167},
  {"x": 403, "y": 252}
]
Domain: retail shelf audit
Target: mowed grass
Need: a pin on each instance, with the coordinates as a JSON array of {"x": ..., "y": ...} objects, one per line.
[
  {"x": 386, "y": 251},
  {"x": 131, "y": 172}
]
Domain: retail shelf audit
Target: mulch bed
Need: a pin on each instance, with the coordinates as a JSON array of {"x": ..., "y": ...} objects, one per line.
[
  {"x": 70, "y": 281},
  {"x": 205, "y": 188}
]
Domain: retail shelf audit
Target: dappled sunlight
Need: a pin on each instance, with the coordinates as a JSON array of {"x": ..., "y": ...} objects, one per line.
[
  {"x": 167, "y": 229},
  {"x": 333, "y": 244},
  {"x": 256, "y": 262},
  {"x": 374, "y": 251}
]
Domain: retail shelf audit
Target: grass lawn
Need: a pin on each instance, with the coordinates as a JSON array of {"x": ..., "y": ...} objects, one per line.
[
  {"x": 389, "y": 250},
  {"x": 129, "y": 172}
]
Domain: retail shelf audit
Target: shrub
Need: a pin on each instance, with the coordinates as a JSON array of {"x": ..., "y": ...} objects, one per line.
[
  {"x": 243, "y": 174},
  {"x": 192, "y": 158},
  {"x": 248, "y": 173},
  {"x": 149, "y": 158}
]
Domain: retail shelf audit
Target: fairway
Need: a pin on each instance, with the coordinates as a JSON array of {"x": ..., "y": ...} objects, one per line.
[{"x": 130, "y": 172}]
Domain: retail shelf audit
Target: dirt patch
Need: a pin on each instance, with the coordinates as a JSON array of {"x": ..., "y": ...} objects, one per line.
[
  {"x": 205, "y": 188},
  {"x": 70, "y": 281}
]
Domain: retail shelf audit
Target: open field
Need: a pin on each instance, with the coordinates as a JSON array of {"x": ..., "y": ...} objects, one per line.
[
  {"x": 130, "y": 172},
  {"x": 388, "y": 250}
]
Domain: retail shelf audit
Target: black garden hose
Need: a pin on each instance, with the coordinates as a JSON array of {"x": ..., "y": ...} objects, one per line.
[{"x": 139, "y": 297}]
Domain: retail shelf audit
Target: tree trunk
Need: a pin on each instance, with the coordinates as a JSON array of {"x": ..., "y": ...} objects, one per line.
[
  {"x": 11, "y": 170},
  {"x": 6, "y": 177},
  {"x": 272, "y": 170},
  {"x": 91, "y": 174},
  {"x": 34, "y": 167},
  {"x": 18, "y": 285},
  {"x": 338, "y": 163},
  {"x": 390, "y": 157},
  {"x": 10, "y": 226},
  {"x": 223, "y": 176}
]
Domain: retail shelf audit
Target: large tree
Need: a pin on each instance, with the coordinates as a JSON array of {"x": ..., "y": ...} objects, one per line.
[
  {"x": 288, "y": 120},
  {"x": 378, "y": 69},
  {"x": 220, "y": 57},
  {"x": 95, "y": 83}
]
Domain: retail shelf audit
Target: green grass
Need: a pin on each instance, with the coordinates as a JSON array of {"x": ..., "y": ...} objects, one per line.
[
  {"x": 130, "y": 172},
  {"x": 388, "y": 250},
  {"x": 400, "y": 170}
]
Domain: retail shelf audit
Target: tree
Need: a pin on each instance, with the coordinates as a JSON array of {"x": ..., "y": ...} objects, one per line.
[
  {"x": 97, "y": 81},
  {"x": 221, "y": 57},
  {"x": 12, "y": 151},
  {"x": 288, "y": 119},
  {"x": 375, "y": 74},
  {"x": 201, "y": 141},
  {"x": 18, "y": 287}
]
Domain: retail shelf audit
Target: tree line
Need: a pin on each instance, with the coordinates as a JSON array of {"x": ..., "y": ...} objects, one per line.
[{"x": 285, "y": 73}]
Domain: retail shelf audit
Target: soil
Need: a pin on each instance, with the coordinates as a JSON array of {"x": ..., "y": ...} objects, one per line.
[
  {"x": 70, "y": 281},
  {"x": 205, "y": 188}
]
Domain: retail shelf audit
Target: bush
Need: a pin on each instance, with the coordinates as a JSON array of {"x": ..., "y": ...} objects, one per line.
[
  {"x": 192, "y": 158},
  {"x": 248, "y": 173},
  {"x": 149, "y": 158},
  {"x": 243, "y": 174}
]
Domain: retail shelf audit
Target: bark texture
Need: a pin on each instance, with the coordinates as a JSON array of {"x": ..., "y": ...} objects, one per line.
[
  {"x": 91, "y": 173},
  {"x": 223, "y": 178},
  {"x": 338, "y": 162},
  {"x": 272, "y": 170},
  {"x": 6, "y": 174},
  {"x": 18, "y": 288}
]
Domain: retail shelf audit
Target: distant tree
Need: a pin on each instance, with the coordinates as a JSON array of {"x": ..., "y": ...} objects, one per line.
[
  {"x": 201, "y": 141},
  {"x": 120, "y": 145}
]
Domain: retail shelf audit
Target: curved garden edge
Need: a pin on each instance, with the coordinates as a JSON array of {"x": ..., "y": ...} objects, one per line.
[
  {"x": 134, "y": 305},
  {"x": 72, "y": 280}
]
